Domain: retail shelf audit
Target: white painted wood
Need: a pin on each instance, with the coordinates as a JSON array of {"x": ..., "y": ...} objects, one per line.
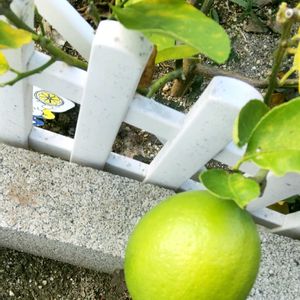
[
  {"x": 51, "y": 143},
  {"x": 69, "y": 23},
  {"x": 154, "y": 117},
  {"x": 59, "y": 78},
  {"x": 16, "y": 104},
  {"x": 230, "y": 156},
  {"x": 125, "y": 166},
  {"x": 278, "y": 188},
  {"x": 206, "y": 131},
  {"x": 54, "y": 144},
  {"x": 268, "y": 217},
  {"x": 69, "y": 82},
  {"x": 117, "y": 61},
  {"x": 191, "y": 185},
  {"x": 290, "y": 226}
]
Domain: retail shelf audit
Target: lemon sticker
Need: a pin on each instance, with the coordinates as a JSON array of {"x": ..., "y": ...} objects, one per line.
[{"x": 48, "y": 98}]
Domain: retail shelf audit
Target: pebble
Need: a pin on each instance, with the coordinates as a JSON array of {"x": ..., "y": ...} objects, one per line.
[{"x": 11, "y": 293}]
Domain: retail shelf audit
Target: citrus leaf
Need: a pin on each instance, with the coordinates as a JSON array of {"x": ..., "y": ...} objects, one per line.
[
  {"x": 176, "y": 52},
  {"x": 11, "y": 37},
  {"x": 4, "y": 67},
  {"x": 275, "y": 141},
  {"x": 179, "y": 20},
  {"x": 161, "y": 41},
  {"x": 232, "y": 186},
  {"x": 248, "y": 118}
]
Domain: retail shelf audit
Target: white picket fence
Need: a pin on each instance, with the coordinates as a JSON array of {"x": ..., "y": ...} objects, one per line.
[{"x": 106, "y": 93}]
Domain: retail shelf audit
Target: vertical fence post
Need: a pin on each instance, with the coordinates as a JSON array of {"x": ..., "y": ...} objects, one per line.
[
  {"x": 16, "y": 100},
  {"x": 118, "y": 58},
  {"x": 207, "y": 129}
]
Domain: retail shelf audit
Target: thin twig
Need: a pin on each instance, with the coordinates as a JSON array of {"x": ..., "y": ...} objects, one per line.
[
  {"x": 21, "y": 76},
  {"x": 283, "y": 44},
  {"x": 45, "y": 43},
  {"x": 209, "y": 71},
  {"x": 159, "y": 83},
  {"x": 206, "y": 6}
]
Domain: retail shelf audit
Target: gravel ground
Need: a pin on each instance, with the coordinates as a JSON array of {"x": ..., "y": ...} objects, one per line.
[{"x": 24, "y": 276}]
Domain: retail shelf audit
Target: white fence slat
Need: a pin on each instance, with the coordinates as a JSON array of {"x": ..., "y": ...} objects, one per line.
[
  {"x": 69, "y": 23},
  {"x": 154, "y": 117},
  {"x": 207, "y": 129},
  {"x": 51, "y": 143},
  {"x": 45, "y": 141},
  {"x": 69, "y": 82},
  {"x": 231, "y": 154},
  {"x": 16, "y": 103},
  {"x": 268, "y": 217},
  {"x": 117, "y": 61},
  {"x": 278, "y": 188},
  {"x": 59, "y": 78},
  {"x": 290, "y": 226},
  {"x": 125, "y": 166},
  {"x": 191, "y": 184}
]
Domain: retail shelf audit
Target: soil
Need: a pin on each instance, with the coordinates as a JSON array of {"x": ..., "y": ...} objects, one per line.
[{"x": 23, "y": 276}]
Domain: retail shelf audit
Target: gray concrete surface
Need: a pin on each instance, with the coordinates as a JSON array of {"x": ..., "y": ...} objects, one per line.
[
  {"x": 78, "y": 215},
  {"x": 279, "y": 274},
  {"x": 59, "y": 210}
]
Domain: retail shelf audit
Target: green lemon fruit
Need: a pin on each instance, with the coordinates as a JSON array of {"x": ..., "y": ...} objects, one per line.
[{"x": 193, "y": 246}]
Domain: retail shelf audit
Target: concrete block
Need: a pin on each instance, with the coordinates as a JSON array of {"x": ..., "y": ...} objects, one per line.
[
  {"x": 57, "y": 209},
  {"x": 83, "y": 216}
]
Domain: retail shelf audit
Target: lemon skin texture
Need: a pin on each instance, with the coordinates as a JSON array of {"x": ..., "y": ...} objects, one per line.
[{"x": 193, "y": 246}]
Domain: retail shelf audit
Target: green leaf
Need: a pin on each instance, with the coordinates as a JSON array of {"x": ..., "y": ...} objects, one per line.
[
  {"x": 161, "y": 41},
  {"x": 4, "y": 67},
  {"x": 179, "y": 20},
  {"x": 248, "y": 118},
  {"x": 275, "y": 141},
  {"x": 176, "y": 52},
  {"x": 233, "y": 186},
  {"x": 11, "y": 37}
]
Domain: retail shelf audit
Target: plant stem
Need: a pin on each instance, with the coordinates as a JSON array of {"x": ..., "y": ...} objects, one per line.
[
  {"x": 59, "y": 54},
  {"x": 206, "y": 6},
  {"x": 45, "y": 43},
  {"x": 260, "y": 176},
  {"x": 21, "y": 76},
  {"x": 159, "y": 83},
  {"x": 209, "y": 71},
  {"x": 279, "y": 54},
  {"x": 93, "y": 12}
]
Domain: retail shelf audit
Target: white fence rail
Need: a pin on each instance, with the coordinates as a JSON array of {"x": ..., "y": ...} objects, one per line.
[{"x": 106, "y": 93}]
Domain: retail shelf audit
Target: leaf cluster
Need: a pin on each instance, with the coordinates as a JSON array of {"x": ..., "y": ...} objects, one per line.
[{"x": 272, "y": 140}]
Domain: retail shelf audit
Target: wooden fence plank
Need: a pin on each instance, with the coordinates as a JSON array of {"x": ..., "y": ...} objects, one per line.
[
  {"x": 207, "y": 129},
  {"x": 117, "y": 61}
]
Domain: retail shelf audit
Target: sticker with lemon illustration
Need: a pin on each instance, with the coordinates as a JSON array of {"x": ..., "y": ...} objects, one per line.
[{"x": 46, "y": 104}]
